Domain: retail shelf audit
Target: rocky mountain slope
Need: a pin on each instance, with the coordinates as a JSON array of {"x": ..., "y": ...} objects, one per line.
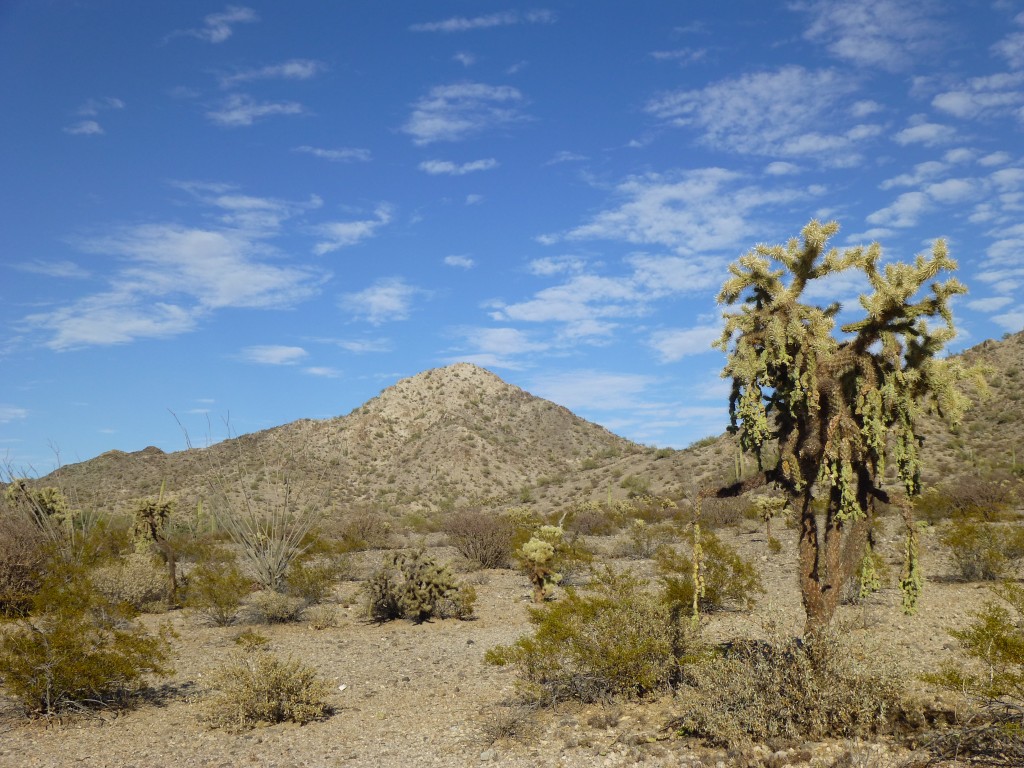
[{"x": 459, "y": 436}]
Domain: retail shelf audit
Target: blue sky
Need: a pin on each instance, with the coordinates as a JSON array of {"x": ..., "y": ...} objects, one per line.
[{"x": 261, "y": 212}]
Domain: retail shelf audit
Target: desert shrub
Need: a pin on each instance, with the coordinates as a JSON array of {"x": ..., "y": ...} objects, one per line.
[
  {"x": 133, "y": 579},
  {"x": 991, "y": 678},
  {"x": 78, "y": 649},
  {"x": 255, "y": 687},
  {"x": 363, "y": 529},
  {"x": 726, "y": 512},
  {"x": 312, "y": 579},
  {"x": 615, "y": 639},
  {"x": 216, "y": 590},
  {"x": 270, "y": 607},
  {"x": 727, "y": 578},
  {"x": 590, "y": 518},
  {"x": 22, "y": 557},
  {"x": 635, "y": 485},
  {"x": 984, "y": 551},
  {"x": 414, "y": 586},
  {"x": 988, "y": 496},
  {"x": 787, "y": 690},
  {"x": 641, "y": 540},
  {"x": 322, "y": 617},
  {"x": 483, "y": 537}
]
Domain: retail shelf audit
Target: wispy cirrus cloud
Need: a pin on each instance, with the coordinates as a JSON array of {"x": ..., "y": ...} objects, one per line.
[
  {"x": 273, "y": 354},
  {"x": 448, "y": 168},
  {"x": 883, "y": 34},
  {"x": 460, "y": 110},
  {"x": 386, "y": 300},
  {"x": 165, "y": 278},
  {"x": 487, "y": 21},
  {"x": 9, "y": 413},
  {"x": 343, "y": 234},
  {"x": 767, "y": 113},
  {"x": 84, "y": 128},
  {"x": 323, "y": 372},
  {"x": 242, "y": 110},
  {"x": 293, "y": 69},
  {"x": 218, "y": 27},
  {"x": 497, "y": 347},
  {"x": 674, "y": 344},
  {"x": 1011, "y": 47},
  {"x": 60, "y": 269},
  {"x": 338, "y": 155}
]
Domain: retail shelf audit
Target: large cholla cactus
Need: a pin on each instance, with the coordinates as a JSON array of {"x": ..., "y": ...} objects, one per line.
[{"x": 838, "y": 408}]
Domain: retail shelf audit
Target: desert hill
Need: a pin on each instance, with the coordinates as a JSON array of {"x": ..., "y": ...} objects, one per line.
[{"x": 459, "y": 435}]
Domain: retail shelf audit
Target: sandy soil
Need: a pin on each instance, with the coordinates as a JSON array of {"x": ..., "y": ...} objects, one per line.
[{"x": 422, "y": 695}]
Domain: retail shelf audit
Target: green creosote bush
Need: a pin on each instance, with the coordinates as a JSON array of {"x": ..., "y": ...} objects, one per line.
[
  {"x": 216, "y": 589},
  {"x": 614, "y": 639},
  {"x": 255, "y": 687},
  {"x": 312, "y": 579},
  {"x": 364, "y": 529},
  {"x": 991, "y": 679},
  {"x": 728, "y": 579},
  {"x": 987, "y": 496},
  {"x": 269, "y": 607},
  {"x": 480, "y": 536},
  {"x": 984, "y": 551},
  {"x": 784, "y": 690},
  {"x": 414, "y": 586},
  {"x": 77, "y": 650},
  {"x": 22, "y": 561}
]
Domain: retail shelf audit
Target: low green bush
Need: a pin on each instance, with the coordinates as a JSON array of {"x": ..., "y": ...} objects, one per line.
[
  {"x": 216, "y": 590},
  {"x": 615, "y": 639},
  {"x": 990, "y": 676},
  {"x": 77, "y": 649},
  {"x": 984, "y": 551},
  {"x": 255, "y": 687},
  {"x": 727, "y": 579}
]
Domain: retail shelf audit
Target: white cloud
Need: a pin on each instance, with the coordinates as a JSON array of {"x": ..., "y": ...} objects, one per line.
[
  {"x": 992, "y": 304},
  {"x": 553, "y": 265},
  {"x": 1011, "y": 47},
  {"x": 674, "y": 345},
  {"x": 438, "y": 167},
  {"x": 692, "y": 212},
  {"x": 323, "y": 372},
  {"x": 218, "y": 27},
  {"x": 342, "y": 234},
  {"x": 239, "y": 109},
  {"x": 903, "y": 212},
  {"x": 591, "y": 390},
  {"x": 85, "y": 128},
  {"x": 273, "y": 354},
  {"x": 165, "y": 278},
  {"x": 922, "y": 172},
  {"x": 566, "y": 157},
  {"x": 886, "y": 34},
  {"x": 455, "y": 112},
  {"x": 465, "y": 59},
  {"x": 780, "y": 168},
  {"x": 293, "y": 69},
  {"x": 953, "y": 190},
  {"x": 488, "y": 21},
  {"x": 682, "y": 56},
  {"x": 340, "y": 155},
  {"x": 994, "y": 95},
  {"x": 923, "y": 132},
  {"x": 10, "y": 413},
  {"x": 497, "y": 347},
  {"x": 60, "y": 269},
  {"x": 766, "y": 113},
  {"x": 1011, "y": 321},
  {"x": 364, "y": 346},
  {"x": 93, "y": 107},
  {"x": 388, "y": 299},
  {"x": 995, "y": 158},
  {"x": 474, "y": 199},
  {"x": 865, "y": 107},
  {"x": 463, "y": 262}
]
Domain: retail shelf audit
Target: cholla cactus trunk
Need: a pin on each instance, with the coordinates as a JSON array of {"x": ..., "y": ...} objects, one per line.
[{"x": 839, "y": 411}]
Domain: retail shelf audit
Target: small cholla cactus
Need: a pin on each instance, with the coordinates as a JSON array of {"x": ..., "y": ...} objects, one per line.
[{"x": 539, "y": 557}]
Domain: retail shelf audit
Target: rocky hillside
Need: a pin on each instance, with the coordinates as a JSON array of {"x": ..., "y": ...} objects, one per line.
[{"x": 459, "y": 435}]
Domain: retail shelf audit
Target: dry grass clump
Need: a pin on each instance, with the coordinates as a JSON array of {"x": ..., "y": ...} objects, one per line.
[
  {"x": 785, "y": 690},
  {"x": 257, "y": 688},
  {"x": 483, "y": 537},
  {"x": 134, "y": 580}
]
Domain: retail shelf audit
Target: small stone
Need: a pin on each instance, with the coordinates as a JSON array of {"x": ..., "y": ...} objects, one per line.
[{"x": 487, "y": 755}]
